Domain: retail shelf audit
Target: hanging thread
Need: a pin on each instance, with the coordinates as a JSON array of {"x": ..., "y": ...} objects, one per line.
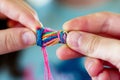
[{"x": 47, "y": 37}]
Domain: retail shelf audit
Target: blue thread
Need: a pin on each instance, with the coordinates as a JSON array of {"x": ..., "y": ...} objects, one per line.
[
  {"x": 61, "y": 37},
  {"x": 49, "y": 39},
  {"x": 53, "y": 35},
  {"x": 39, "y": 37}
]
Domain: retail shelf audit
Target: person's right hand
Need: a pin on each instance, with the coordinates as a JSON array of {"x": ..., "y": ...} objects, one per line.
[
  {"x": 22, "y": 34},
  {"x": 96, "y": 36}
]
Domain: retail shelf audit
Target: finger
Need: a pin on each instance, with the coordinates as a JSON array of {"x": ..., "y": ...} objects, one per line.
[
  {"x": 95, "y": 46},
  {"x": 93, "y": 66},
  {"x": 12, "y": 24},
  {"x": 2, "y": 16},
  {"x": 103, "y": 22},
  {"x": 20, "y": 12},
  {"x": 114, "y": 75},
  {"x": 65, "y": 53},
  {"x": 108, "y": 75},
  {"x": 103, "y": 76},
  {"x": 15, "y": 39}
]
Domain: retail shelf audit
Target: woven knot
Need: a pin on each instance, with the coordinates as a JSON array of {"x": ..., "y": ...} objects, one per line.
[{"x": 47, "y": 37}]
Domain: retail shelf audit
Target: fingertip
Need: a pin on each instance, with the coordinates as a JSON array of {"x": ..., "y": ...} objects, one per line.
[
  {"x": 66, "y": 26},
  {"x": 61, "y": 52},
  {"x": 104, "y": 75},
  {"x": 79, "y": 23},
  {"x": 93, "y": 66},
  {"x": 71, "y": 25},
  {"x": 74, "y": 40},
  {"x": 65, "y": 53},
  {"x": 109, "y": 74},
  {"x": 35, "y": 26},
  {"x": 38, "y": 24},
  {"x": 114, "y": 74}
]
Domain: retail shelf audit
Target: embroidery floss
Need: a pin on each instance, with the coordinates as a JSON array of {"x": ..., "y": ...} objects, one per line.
[{"x": 47, "y": 37}]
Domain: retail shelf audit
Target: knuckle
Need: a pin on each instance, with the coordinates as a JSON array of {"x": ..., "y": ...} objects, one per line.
[
  {"x": 93, "y": 45},
  {"x": 9, "y": 42}
]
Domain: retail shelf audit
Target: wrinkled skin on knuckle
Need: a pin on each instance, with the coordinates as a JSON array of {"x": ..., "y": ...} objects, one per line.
[
  {"x": 92, "y": 46},
  {"x": 10, "y": 42}
]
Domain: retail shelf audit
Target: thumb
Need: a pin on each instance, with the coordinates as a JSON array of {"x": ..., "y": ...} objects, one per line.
[
  {"x": 95, "y": 46},
  {"x": 15, "y": 39}
]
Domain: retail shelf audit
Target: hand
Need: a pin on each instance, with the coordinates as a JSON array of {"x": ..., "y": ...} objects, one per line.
[
  {"x": 97, "y": 37},
  {"x": 21, "y": 35}
]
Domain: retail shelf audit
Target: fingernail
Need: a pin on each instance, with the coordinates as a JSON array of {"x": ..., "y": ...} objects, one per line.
[
  {"x": 35, "y": 25},
  {"x": 65, "y": 25},
  {"x": 74, "y": 40},
  {"x": 29, "y": 38}
]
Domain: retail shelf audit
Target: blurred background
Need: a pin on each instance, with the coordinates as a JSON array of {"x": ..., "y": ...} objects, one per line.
[{"x": 28, "y": 63}]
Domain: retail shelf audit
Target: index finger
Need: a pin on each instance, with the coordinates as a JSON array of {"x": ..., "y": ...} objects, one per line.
[
  {"x": 103, "y": 22},
  {"x": 19, "y": 11}
]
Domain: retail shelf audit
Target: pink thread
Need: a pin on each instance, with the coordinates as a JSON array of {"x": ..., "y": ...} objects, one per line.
[
  {"x": 47, "y": 30},
  {"x": 58, "y": 35},
  {"x": 47, "y": 72},
  {"x": 48, "y": 37}
]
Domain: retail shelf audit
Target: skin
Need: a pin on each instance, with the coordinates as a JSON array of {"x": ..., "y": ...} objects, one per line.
[
  {"x": 24, "y": 23},
  {"x": 95, "y": 36}
]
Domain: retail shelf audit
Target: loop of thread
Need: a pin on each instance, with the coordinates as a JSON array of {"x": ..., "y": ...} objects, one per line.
[{"x": 47, "y": 37}]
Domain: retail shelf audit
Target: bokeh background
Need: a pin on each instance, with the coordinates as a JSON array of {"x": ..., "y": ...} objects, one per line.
[{"x": 53, "y": 14}]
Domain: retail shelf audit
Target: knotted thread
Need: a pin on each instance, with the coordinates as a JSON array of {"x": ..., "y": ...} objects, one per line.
[{"x": 48, "y": 37}]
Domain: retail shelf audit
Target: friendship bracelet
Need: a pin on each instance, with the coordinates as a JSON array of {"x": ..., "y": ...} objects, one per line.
[{"x": 47, "y": 37}]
